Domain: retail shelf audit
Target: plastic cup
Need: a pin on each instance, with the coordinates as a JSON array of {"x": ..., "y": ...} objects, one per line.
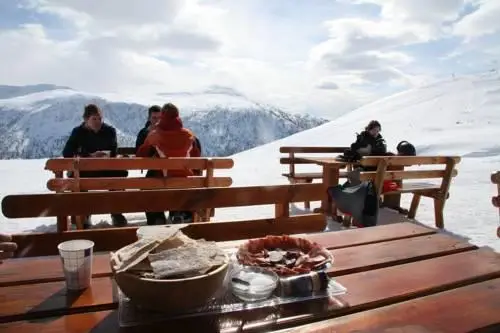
[{"x": 76, "y": 256}]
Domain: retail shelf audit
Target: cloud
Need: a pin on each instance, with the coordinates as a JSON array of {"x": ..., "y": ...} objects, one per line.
[
  {"x": 327, "y": 85},
  {"x": 325, "y": 57},
  {"x": 484, "y": 20},
  {"x": 97, "y": 14},
  {"x": 363, "y": 48},
  {"x": 427, "y": 19}
]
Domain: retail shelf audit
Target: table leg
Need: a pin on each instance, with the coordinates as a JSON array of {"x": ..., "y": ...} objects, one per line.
[{"x": 330, "y": 178}]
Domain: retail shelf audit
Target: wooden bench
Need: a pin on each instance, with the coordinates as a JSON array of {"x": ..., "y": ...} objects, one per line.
[
  {"x": 438, "y": 191},
  {"x": 292, "y": 160},
  {"x": 495, "y": 179},
  {"x": 77, "y": 184},
  {"x": 86, "y": 203}
]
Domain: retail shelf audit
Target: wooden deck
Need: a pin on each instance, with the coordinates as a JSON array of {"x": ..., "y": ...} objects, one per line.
[{"x": 400, "y": 278}]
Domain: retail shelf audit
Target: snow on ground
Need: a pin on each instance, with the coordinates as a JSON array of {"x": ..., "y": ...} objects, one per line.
[{"x": 457, "y": 117}]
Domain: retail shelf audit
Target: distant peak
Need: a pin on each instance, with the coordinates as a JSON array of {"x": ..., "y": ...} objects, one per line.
[
  {"x": 222, "y": 90},
  {"x": 8, "y": 91},
  {"x": 39, "y": 87},
  {"x": 211, "y": 90}
]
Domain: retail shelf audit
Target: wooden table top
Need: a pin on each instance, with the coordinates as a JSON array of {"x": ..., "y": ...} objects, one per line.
[
  {"x": 400, "y": 278},
  {"x": 326, "y": 161}
]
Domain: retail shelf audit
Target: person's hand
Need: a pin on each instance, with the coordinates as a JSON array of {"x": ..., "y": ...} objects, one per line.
[
  {"x": 151, "y": 127},
  {"x": 99, "y": 154},
  {"x": 7, "y": 247}
]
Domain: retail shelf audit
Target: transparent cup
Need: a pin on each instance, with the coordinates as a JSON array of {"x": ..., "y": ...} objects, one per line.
[{"x": 76, "y": 257}]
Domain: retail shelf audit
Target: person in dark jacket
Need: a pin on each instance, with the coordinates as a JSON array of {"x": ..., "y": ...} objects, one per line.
[
  {"x": 370, "y": 142},
  {"x": 154, "y": 113},
  {"x": 94, "y": 138}
]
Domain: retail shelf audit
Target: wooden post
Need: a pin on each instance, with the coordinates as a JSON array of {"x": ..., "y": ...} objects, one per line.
[
  {"x": 440, "y": 201},
  {"x": 292, "y": 164},
  {"x": 495, "y": 179},
  {"x": 62, "y": 221},
  {"x": 78, "y": 220},
  {"x": 330, "y": 178},
  {"x": 208, "y": 183},
  {"x": 379, "y": 177},
  {"x": 281, "y": 210},
  {"x": 415, "y": 202}
]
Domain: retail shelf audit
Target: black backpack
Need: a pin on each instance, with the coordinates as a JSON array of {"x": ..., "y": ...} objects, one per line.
[
  {"x": 406, "y": 149},
  {"x": 360, "y": 201}
]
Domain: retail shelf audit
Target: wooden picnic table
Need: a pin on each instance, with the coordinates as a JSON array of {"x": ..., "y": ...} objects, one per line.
[{"x": 400, "y": 278}]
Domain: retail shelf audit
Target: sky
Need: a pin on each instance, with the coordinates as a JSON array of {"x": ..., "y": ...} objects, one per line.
[{"x": 323, "y": 57}]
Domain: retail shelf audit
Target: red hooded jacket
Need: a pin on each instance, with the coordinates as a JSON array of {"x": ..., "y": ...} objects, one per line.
[{"x": 173, "y": 140}]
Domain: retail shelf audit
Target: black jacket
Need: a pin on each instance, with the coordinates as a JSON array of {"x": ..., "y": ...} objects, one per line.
[
  {"x": 83, "y": 141},
  {"x": 141, "y": 136},
  {"x": 364, "y": 139}
]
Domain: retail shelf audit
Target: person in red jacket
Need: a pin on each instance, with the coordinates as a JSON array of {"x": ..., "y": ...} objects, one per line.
[{"x": 169, "y": 138}]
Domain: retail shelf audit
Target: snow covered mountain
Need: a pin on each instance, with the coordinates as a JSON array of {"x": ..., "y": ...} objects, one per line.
[{"x": 36, "y": 120}]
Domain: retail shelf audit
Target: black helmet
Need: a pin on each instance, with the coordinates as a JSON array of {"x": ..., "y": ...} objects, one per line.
[{"x": 406, "y": 149}]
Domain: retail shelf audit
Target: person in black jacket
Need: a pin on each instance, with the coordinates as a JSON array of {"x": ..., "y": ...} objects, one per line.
[
  {"x": 154, "y": 113},
  {"x": 370, "y": 142},
  {"x": 94, "y": 138}
]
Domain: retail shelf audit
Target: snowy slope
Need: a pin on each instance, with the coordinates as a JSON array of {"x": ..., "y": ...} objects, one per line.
[
  {"x": 35, "y": 123},
  {"x": 458, "y": 117}
]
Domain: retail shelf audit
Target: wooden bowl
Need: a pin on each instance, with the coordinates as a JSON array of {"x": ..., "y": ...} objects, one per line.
[{"x": 172, "y": 295}]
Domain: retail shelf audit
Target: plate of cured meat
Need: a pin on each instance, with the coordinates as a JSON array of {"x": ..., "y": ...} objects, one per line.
[{"x": 285, "y": 255}]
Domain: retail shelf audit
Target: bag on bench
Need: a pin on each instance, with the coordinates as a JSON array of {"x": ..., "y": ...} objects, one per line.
[{"x": 360, "y": 201}]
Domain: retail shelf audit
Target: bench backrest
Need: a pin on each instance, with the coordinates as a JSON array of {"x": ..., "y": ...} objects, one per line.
[
  {"x": 35, "y": 205},
  {"x": 59, "y": 165},
  {"x": 89, "y": 203},
  {"x": 445, "y": 172},
  {"x": 293, "y": 159},
  {"x": 136, "y": 163}
]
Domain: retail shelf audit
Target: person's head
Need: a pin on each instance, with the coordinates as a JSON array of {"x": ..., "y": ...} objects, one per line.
[
  {"x": 170, "y": 110},
  {"x": 92, "y": 117},
  {"x": 154, "y": 114},
  {"x": 373, "y": 128}
]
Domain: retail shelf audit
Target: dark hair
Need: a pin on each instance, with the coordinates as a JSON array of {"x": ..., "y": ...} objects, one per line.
[
  {"x": 154, "y": 109},
  {"x": 372, "y": 124},
  {"x": 91, "y": 110},
  {"x": 171, "y": 110}
]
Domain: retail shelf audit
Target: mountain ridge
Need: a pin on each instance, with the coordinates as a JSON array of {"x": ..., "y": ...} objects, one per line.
[{"x": 35, "y": 122}]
